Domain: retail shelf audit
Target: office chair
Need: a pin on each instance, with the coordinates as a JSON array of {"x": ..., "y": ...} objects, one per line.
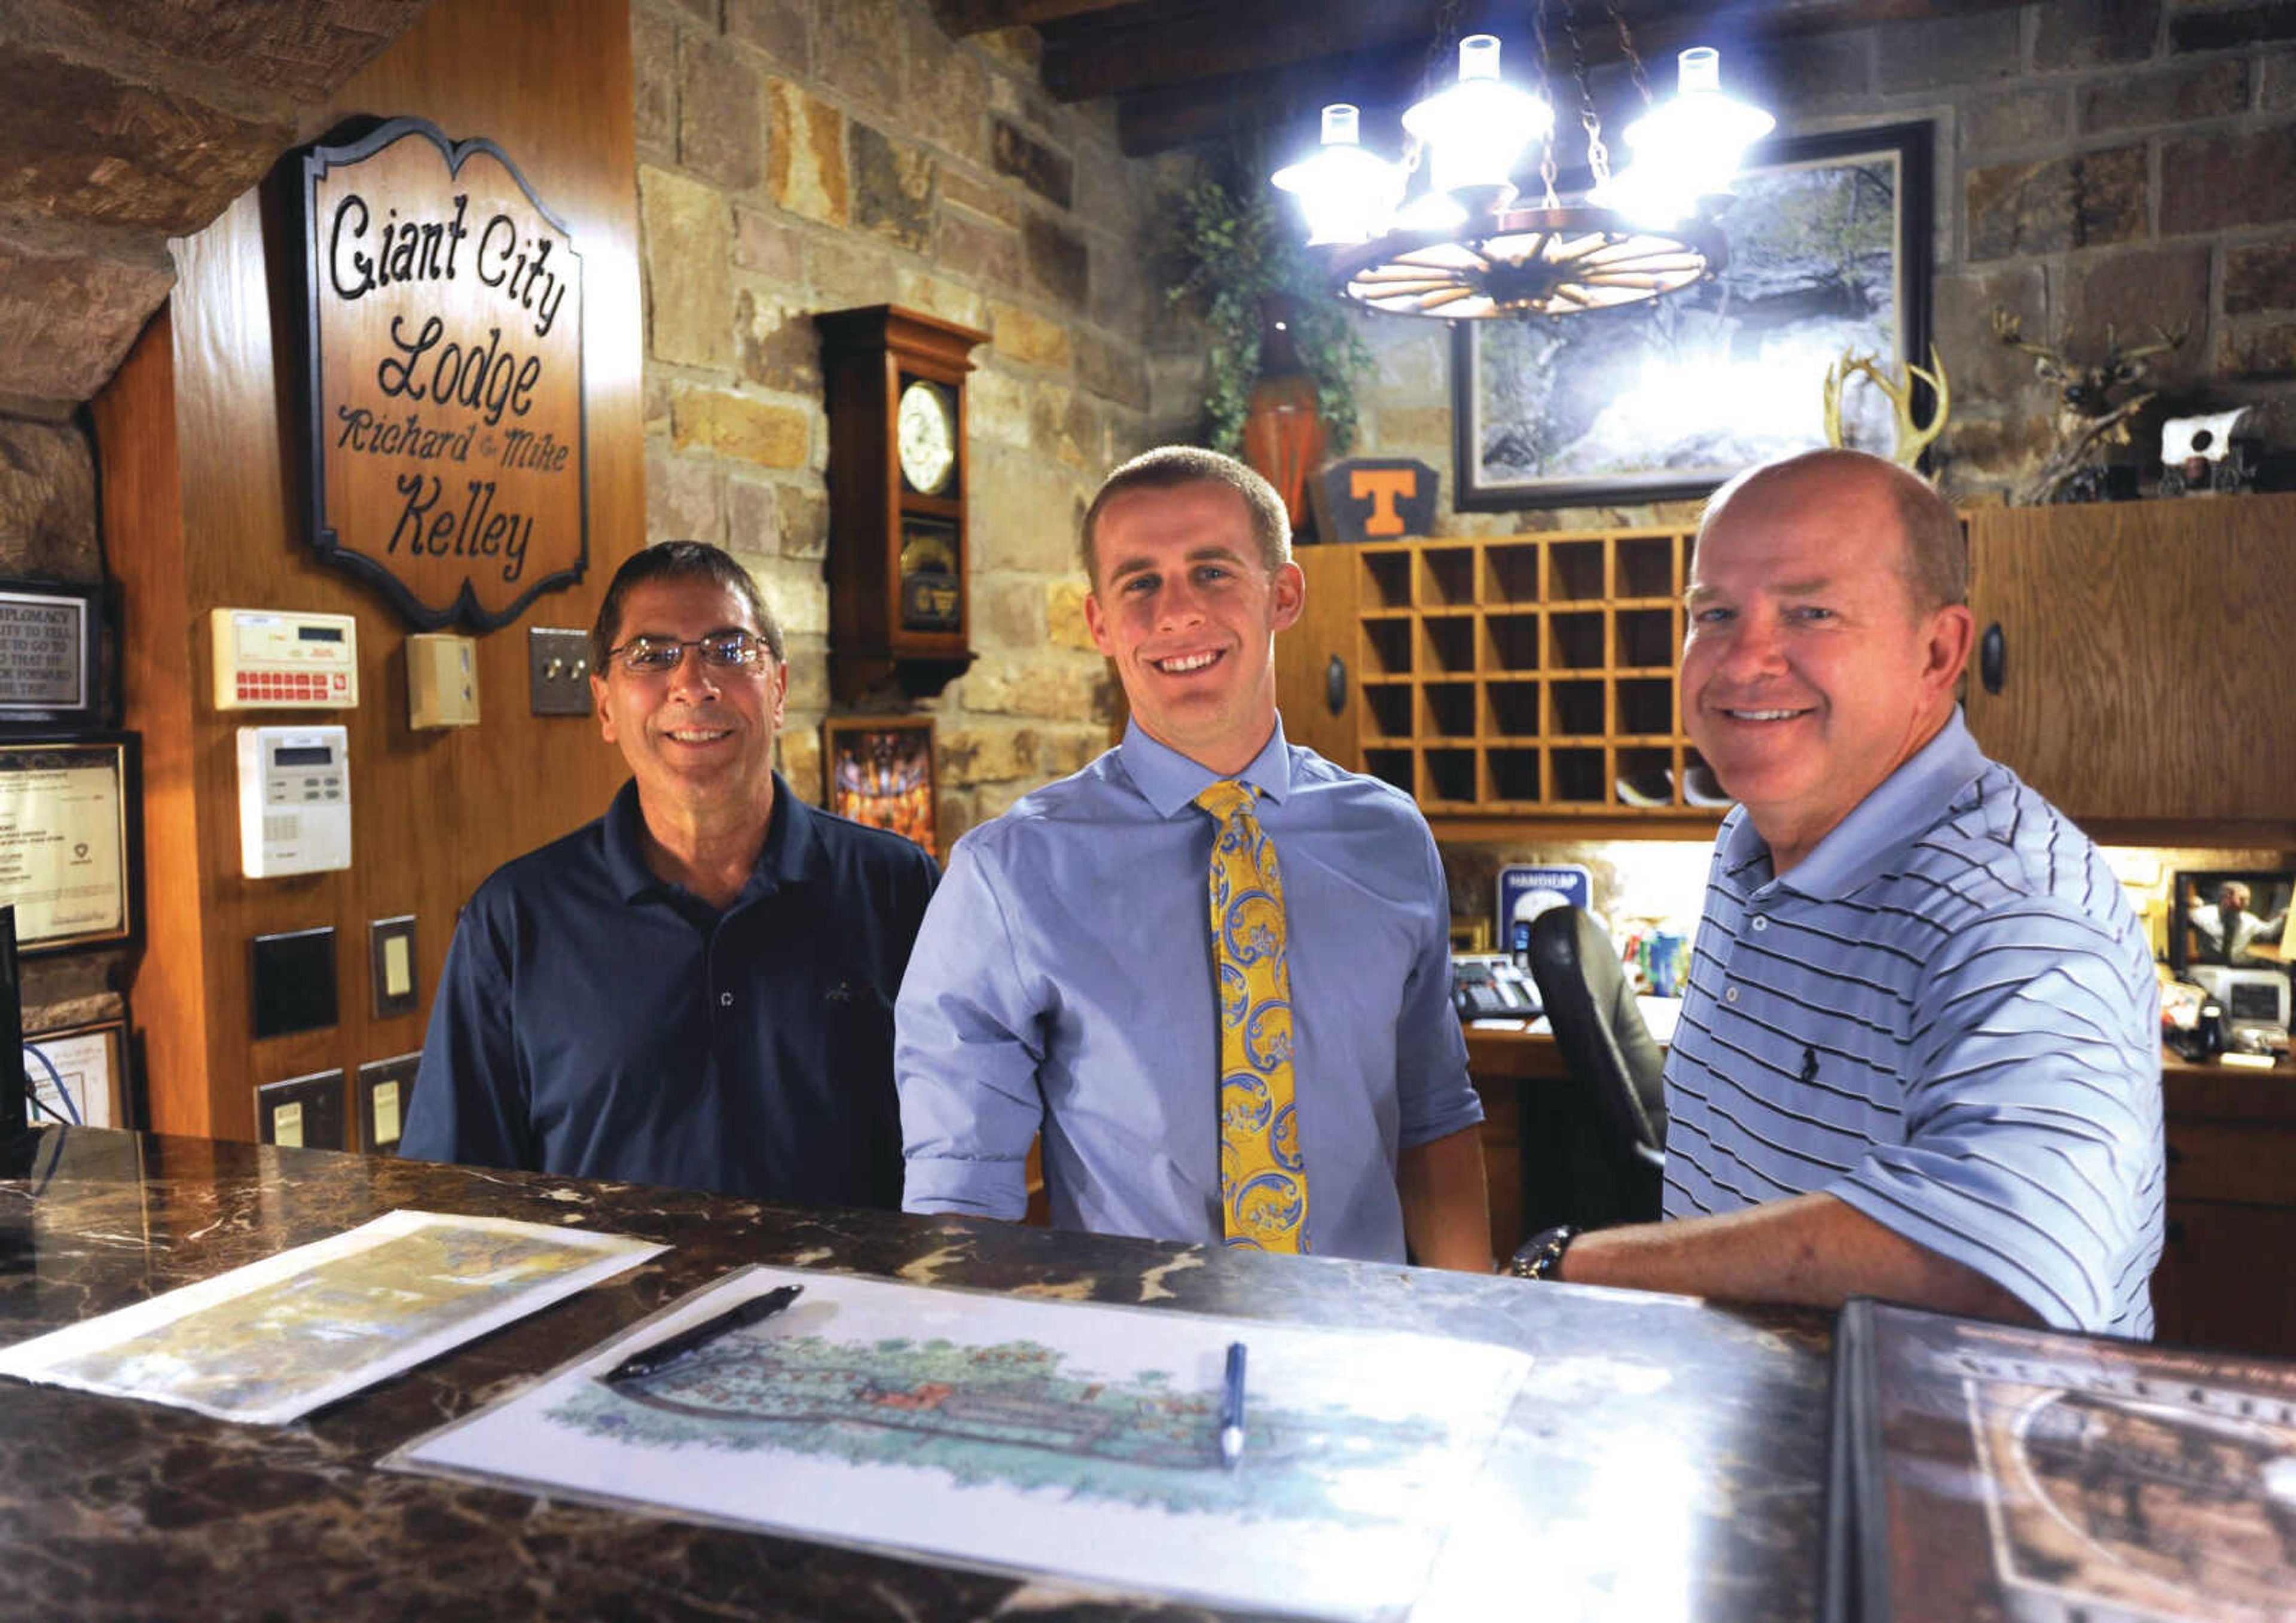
[{"x": 1614, "y": 1154}]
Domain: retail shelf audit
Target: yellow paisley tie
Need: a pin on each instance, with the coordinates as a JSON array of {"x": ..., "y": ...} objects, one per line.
[{"x": 1263, "y": 1178}]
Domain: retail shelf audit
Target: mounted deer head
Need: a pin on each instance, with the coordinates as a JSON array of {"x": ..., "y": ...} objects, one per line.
[
  {"x": 1913, "y": 438},
  {"x": 2084, "y": 391}
]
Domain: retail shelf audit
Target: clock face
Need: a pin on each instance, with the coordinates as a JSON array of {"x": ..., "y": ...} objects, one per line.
[{"x": 927, "y": 425}]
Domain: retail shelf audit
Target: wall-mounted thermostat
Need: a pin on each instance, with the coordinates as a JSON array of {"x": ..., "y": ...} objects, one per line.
[
  {"x": 267, "y": 660},
  {"x": 295, "y": 801},
  {"x": 442, "y": 681}
]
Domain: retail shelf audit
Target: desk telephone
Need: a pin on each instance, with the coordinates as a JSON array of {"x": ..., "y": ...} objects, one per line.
[{"x": 1492, "y": 984}]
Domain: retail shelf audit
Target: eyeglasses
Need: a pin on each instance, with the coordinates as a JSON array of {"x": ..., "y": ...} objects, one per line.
[{"x": 657, "y": 656}]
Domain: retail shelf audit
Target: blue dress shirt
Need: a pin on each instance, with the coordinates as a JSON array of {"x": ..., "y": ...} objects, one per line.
[
  {"x": 1063, "y": 979},
  {"x": 597, "y": 1021}
]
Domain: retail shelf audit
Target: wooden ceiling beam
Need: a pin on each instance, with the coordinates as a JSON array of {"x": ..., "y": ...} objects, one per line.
[
  {"x": 963, "y": 17},
  {"x": 1144, "y": 48},
  {"x": 1177, "y": 111}
]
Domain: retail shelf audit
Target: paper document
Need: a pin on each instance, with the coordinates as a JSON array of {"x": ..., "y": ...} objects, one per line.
[
  {"x": 993, "y": 1431},
  {"x": 278, "y": 1338}
]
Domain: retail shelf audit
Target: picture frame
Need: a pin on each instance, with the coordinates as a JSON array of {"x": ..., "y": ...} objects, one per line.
[
  {"x": 71, "y": 840},
  {"x": 881, "y": 771},
  {"x": 51, "y": 652},
  {"x": 91, "y": 1063},
  {"x": 1469, "y": 936},
  {"x": 1829, "y": 250},
  {"x": 2196, "y": 917}
]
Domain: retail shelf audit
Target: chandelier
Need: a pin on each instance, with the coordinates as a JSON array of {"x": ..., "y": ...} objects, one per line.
[{"x": 1442, "y": 232}]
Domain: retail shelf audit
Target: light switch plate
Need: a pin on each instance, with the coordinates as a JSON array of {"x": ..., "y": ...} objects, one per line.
[
  {"x": 558, "y": 670},
  {"x": 291, "y": 981},
  {"x": 305, "y": 1112},
  {"x": 390, "y": 966},
  {"x": 385, "y": 1087}
]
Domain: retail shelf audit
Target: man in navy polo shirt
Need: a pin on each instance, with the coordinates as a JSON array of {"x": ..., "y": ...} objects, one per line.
[
  {"x": 697, "y": 989},
  {"x": 1919, "y": 1056}
]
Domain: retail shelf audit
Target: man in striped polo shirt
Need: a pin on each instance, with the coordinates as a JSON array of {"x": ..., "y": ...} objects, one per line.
[{"x": 1919, "y": 1053}]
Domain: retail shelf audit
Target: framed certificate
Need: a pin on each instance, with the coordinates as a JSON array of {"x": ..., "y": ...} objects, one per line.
[
  {"x": 71, "y": 840},
  {"x": 49, "y": 636},
  {"x": 79, "y": 1073}
]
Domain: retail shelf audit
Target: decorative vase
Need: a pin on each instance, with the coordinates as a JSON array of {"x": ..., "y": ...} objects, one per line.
[{"x": 1284, "y": 430}]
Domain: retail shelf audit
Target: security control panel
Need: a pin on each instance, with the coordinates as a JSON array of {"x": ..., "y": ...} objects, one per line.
[
  {"x": 295, "y": 801},
  {"x": 285, "y": 660}
]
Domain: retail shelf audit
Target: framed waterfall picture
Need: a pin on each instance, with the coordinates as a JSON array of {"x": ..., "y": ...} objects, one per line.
[{"x": 1828, "y": 251}]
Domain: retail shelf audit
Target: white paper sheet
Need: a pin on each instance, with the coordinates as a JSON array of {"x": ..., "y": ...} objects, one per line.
[
  {"x": 989, "y": 1430},
  {"x": 277, "y": 1339}
]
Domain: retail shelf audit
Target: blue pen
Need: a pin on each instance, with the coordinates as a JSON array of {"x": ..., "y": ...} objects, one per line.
[{"x": 1231, "y": 1437}]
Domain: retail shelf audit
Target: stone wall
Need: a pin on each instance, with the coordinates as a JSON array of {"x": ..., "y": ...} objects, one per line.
[
  {"x": 2128, "y": 162},
  {"x": 802, "y": 156}
]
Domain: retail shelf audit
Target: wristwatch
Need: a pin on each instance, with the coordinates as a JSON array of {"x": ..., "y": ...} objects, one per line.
[{"x": 1541, "y": 1256}]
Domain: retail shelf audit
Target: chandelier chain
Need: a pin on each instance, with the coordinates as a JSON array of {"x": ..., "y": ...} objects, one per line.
[
  {"x": 1547, "y": 87},
  {"x": 1626, "y": 49},
  {"x": 1598, "y": 156},
  {"x": 1444, "y": 43}
]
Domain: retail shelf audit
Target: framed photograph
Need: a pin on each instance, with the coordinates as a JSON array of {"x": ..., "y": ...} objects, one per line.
[
  {"x": 1829, "y": 250},
  {"x": 879, "y": 770},
  {"x": 79, "y": 1073},
  {"x": 71, "y": 837},
  {"x": 2236, "y": 920},
  {"x": 50, "y": 636},
  {"x": 1471, "y": 935}
]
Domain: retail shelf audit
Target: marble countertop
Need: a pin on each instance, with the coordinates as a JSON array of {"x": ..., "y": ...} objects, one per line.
[{"x": 1666, "y": 1459}]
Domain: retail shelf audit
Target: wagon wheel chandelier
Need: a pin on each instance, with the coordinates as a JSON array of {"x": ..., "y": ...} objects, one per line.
[{"x": 1460, "y": 249}]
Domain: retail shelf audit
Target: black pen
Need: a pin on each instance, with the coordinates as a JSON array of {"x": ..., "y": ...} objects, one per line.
[
  {"x": 1231, "y": 1436},
  {"x": 662, "y": 1355}
]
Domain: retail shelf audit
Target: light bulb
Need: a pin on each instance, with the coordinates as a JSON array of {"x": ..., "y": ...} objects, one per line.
[
  {"x": 1696, "y": 139},
  {"x": 1476, "y": 130},
  {"x": 1346, "y": 192}
]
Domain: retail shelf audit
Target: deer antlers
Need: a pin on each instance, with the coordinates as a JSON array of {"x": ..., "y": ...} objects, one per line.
[
  {"x": 2087, "y": 418},
  {"x": 2085, "y": 386},
  {"x": 1913, "y": 438}
]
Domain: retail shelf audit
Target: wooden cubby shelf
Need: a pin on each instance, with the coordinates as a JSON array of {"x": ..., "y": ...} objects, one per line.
[{"x": 1507, "y": 676}]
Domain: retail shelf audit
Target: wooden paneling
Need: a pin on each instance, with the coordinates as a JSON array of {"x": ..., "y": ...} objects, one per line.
[
  {"x": 135, "y": 421},
  {"x": 2224, "y": 1281},
  {"x": 2144, "y": 676},
  {"x": 1326, "y": 626},
  {"x": 432, "y": 812}
]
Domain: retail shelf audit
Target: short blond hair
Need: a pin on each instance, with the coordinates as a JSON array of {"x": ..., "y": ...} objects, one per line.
[{"x": 1171, "y": 467}]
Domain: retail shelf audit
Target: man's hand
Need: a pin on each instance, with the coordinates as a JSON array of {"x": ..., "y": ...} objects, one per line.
[
  {"x": 1812, "y": 1250},
  {"x": 1447, "y": 1211}
]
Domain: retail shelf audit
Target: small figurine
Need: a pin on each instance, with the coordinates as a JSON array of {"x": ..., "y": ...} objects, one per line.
[
  {"x": 2205, "y": 453},
  {"x": 2087, "y": 418},
  {"x": 1913, "y": 439}
]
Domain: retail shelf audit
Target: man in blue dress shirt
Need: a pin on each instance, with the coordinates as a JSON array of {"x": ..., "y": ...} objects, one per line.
[
  {"x": 1919, "y": 1056},
  {"x": 696, "y": 989},
  {"x": 1064, "y": 977}
]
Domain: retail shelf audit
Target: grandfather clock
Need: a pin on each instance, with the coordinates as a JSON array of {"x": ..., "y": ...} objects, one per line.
[{"x": 899, "y": 550}]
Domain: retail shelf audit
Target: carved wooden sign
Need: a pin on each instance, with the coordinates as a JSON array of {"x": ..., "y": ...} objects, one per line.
[
  {"x": 1375, "y": 498},
  {"x": 447, "y": 451}
]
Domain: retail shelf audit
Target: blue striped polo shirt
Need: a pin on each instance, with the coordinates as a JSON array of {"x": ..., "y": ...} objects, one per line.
[{"x": 1946, "y": 1016}]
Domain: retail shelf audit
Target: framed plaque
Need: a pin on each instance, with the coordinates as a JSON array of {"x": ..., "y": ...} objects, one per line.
[
  {"x": 71, "y": 838},
  {"x": 79, "y": 1074},
  {"x": 48, "y": 649}
]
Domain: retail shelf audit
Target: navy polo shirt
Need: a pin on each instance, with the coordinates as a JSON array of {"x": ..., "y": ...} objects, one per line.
[{"x": 596, "y": 1020}]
